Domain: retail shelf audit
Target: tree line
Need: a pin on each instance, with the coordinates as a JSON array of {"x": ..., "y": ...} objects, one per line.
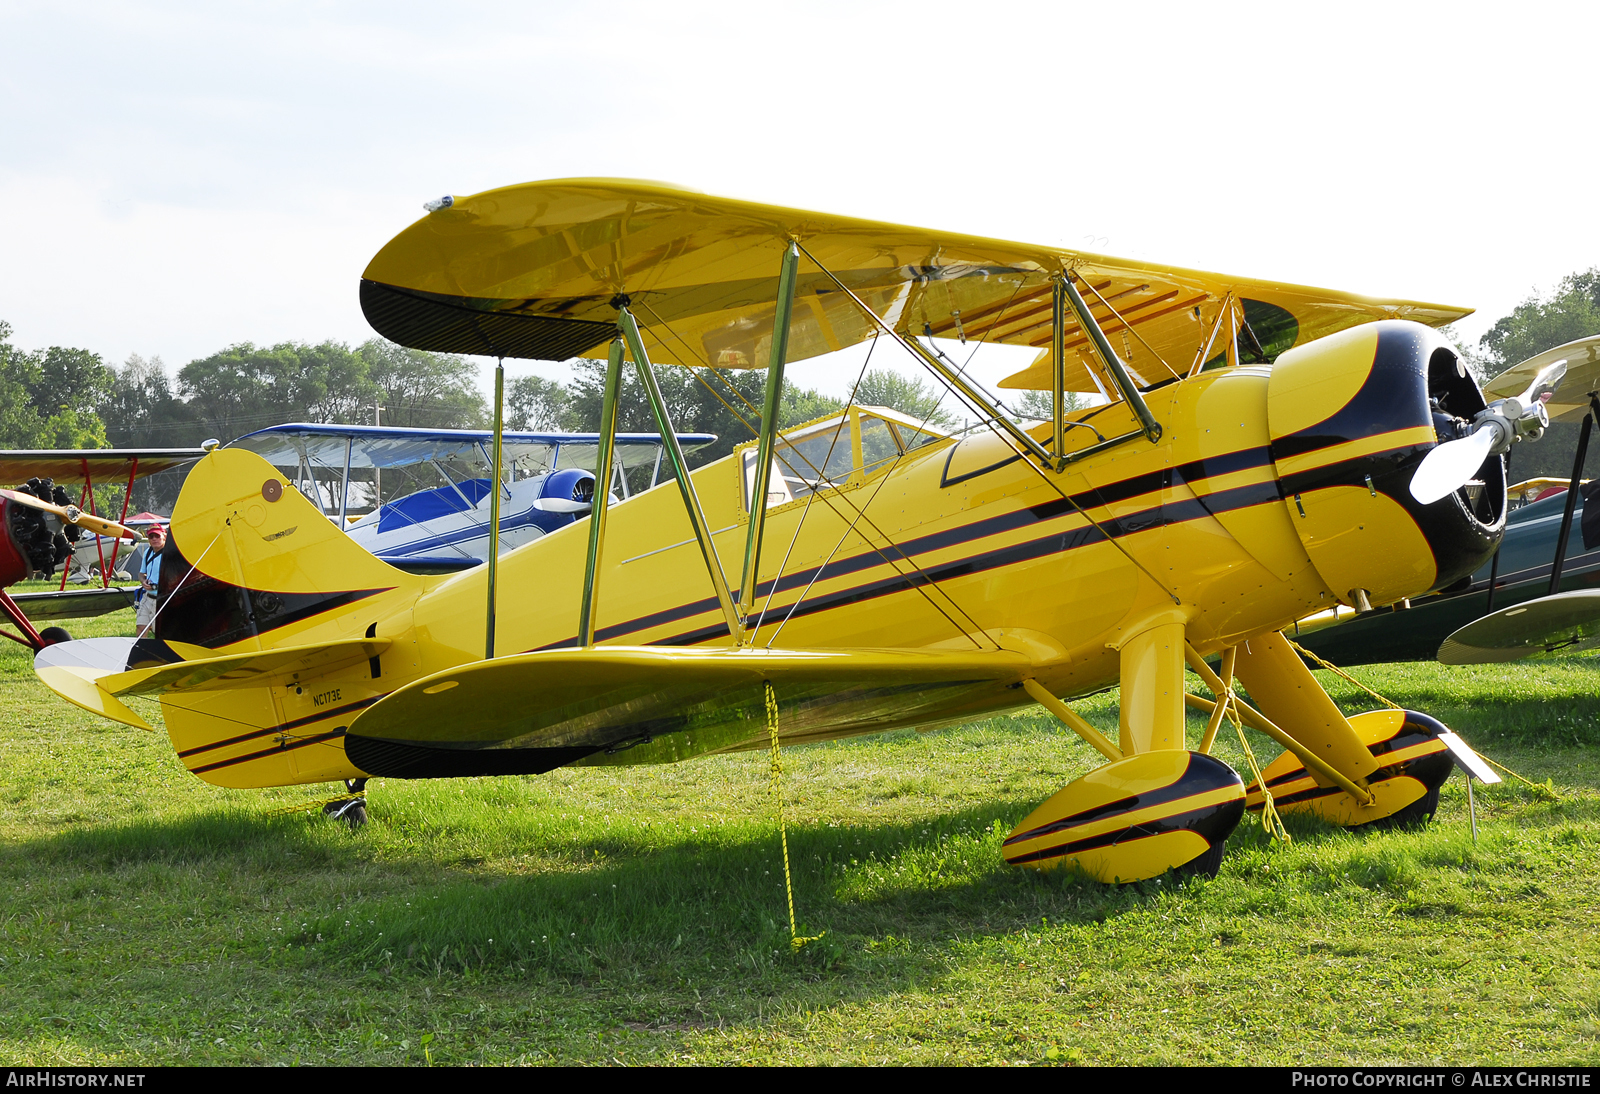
[{"x": 71, "y": 398}]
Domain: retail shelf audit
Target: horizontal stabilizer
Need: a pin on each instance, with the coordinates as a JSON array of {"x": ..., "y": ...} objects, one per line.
[
  {"x": 77, "y": 686},
  {"x": 245, "y": 670},
  {"x": 653, "y": 704},
  {"x": 93, "y": 672}
]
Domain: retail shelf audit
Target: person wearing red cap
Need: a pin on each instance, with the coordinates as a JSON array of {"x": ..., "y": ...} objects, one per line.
[{"x": 144, "y": 614}]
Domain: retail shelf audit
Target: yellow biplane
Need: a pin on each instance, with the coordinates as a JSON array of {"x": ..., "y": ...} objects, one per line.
[{"x": 1253, "y": 461}]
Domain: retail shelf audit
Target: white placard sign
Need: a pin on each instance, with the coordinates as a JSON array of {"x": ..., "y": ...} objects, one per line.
[{"x": 1469, "y": 760}]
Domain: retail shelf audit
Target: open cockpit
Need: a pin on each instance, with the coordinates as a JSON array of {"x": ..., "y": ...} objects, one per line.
[{"x": 840, "y": 451}]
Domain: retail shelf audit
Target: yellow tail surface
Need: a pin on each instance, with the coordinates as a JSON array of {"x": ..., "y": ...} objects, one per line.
[
  {"x": 269, "y": 571},
  {"x": 256, "y": 531}
]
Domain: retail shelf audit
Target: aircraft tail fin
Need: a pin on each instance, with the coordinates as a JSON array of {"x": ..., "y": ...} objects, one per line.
[{"x": 248, "y": 554}]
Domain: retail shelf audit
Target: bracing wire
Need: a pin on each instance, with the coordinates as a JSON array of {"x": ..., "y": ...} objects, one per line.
[
  {"x": 978, "y": 411},
  {"x": 836, "y": 496},
  {"x": 1176, "y": 375}
]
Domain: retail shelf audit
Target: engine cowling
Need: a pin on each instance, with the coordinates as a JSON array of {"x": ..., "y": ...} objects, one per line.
[{"x": 1351, "y": 416}]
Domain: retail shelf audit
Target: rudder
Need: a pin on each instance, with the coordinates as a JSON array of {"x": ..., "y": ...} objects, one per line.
[{"x": 248, "y": 554}]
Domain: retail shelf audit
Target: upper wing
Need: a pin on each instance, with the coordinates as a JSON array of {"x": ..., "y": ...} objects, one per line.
[
  {"x": 533, "y": 270},
  {"x": 650, "y": 704},
  {"x": 108, "y": 465}
]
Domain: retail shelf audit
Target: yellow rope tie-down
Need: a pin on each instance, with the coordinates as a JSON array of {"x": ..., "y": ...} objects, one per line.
[
  {"x": 1271, "y": 822},
  {"x": 320, "y": 803},
  {"x": 795, "y": 939},
  {"x": 1337, "y": 671},
  {"x": 1543, "y": 791},
  {"x": 1228, "y": 705}
]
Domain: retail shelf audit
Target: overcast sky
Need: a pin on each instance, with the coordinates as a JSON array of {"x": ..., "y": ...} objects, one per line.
[{"x": 175, "y": 178}]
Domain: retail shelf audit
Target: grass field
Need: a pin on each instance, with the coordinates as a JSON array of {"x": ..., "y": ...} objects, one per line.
[{"x": 638, "y": 916}]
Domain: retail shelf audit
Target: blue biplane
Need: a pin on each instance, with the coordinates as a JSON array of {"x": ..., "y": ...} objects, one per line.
[{"x": 419, "y": 498}]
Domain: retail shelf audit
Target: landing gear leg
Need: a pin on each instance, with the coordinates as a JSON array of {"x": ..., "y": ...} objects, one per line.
[
  {"x": 1397, "y": 756},
  {"x": 351, "y": 810}
]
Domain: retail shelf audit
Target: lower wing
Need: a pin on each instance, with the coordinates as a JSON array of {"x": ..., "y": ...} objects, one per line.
[{"x": 652, "y": 704}]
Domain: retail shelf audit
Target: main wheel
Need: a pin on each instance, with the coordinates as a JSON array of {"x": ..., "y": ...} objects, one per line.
[
  {"x": 52, "y": 635},
  {"x": 1207, "y": 865}
]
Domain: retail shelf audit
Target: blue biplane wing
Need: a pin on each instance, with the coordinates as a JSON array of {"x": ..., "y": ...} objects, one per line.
[{"x": 392, "y": 446}]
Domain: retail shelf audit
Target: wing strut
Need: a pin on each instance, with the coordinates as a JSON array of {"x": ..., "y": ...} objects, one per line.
[
  {"x": 602, "y": 493},
  {"x": 769, "y": 428},
  {"x": 1119, "y": 374},
  {"x": 1073, "y": 722},
  {"x": 1058, "y": 368},
  {"x": 127, "y": 496},
  {"x": 691, "y": 501},
  {"x": 1559, "y": 562},
  {"x": 494, "y": 502},
  {"x": 344, "y": 485}
]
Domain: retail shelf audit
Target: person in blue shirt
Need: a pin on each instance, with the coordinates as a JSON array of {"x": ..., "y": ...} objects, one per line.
[{"x": 149, "y": 580}]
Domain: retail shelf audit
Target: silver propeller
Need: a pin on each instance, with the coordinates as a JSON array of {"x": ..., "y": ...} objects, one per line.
[
  {"x": 1496, "y": 428},
  {"x": 1451, "y": 465}
]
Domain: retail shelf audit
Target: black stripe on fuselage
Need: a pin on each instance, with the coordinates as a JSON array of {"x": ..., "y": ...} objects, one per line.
[
  {"x": 1058, "y": 543},
  {"x": 1190, "y": 509},
  {"x": 286, "y": 746},
  {"x": 1193, "y": 472},
  {"x": 283, "y": 728}
]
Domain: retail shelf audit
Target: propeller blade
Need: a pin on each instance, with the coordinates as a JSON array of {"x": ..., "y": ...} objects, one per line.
[
  {"x": 1545, "y": 382},
  {"x": 562, "y": 505},
  {"x": 1565, "y": 622},
  {"x": 1451, "y": 466},
  {"x": 71, "y": 514}
]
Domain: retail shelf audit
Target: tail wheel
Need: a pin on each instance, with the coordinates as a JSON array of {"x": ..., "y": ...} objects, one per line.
[{"x": 352, "y": 811}]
